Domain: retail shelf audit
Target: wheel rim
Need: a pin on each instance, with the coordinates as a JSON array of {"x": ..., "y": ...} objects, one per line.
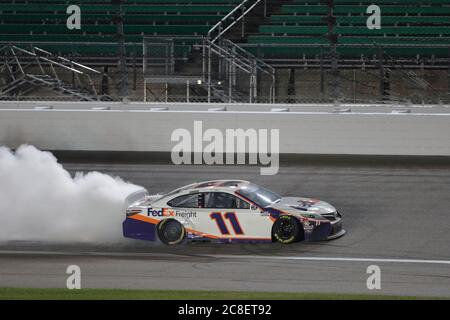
[
  {"x": 172, "y": 232},
  {"x": 286, "y": 229}
]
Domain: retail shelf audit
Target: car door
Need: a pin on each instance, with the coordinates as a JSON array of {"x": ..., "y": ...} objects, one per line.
[
  {"x": 184, "y": 208},
  {"x": 226, "y": 216}
]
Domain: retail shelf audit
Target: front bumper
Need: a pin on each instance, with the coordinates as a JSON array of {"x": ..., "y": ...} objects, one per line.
[
  {"x": 336, "y": 234},
  {"x": 326, "y": 230}
]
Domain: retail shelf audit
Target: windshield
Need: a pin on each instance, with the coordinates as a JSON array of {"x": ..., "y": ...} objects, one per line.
[{"x": 259, "y": 195}]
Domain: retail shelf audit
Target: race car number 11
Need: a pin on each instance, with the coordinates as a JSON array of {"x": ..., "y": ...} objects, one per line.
[{"x": 220, "y": 220}]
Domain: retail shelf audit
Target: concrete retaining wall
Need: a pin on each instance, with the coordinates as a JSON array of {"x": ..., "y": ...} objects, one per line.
[{"x": 76, "y": 127}]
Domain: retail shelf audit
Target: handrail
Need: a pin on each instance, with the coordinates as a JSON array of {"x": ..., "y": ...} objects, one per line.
[
  {"x": 219, "y": 24},
  {"x": 242, "y": 59},
  {"x": 239, "y": 56},
  {"x": 258, "y": 63},
  {"x": 69, "y": 61},
  {"x": 55, "y": 62},
  {"x": 237, "y": 60},
  {"x": 261, "y": 64},
  {"x": 48, "y": 60}
]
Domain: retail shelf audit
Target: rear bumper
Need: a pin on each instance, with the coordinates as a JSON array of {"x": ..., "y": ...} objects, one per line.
[{"x": 137, "y": 229}]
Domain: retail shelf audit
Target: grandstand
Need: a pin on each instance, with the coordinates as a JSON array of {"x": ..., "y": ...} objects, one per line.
[
  {"x": 412, "y": 24},
  {"x": 227, "y": 50}
]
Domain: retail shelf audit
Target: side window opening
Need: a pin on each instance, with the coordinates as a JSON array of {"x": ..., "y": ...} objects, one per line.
[
  {"x": 223, "y": 200},
  {"x": 185, "y": 201}
]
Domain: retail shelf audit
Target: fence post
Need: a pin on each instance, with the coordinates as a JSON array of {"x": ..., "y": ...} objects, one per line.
[
  {"x": 448, "y": 73},
  {"x": 322, "y": 76},
  {"x": 187, "y": 91},
  {"x": 209, "y": 72}
]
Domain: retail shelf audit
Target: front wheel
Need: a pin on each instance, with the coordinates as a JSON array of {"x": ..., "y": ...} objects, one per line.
[
  {"x": 171, "y": 232},
  {"x": 287, "y": 229}
]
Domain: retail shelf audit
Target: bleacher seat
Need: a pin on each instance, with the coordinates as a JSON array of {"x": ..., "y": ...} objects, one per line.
[
  {"x": 408, "y": 22},
  {"x": 40, "y": 21}
]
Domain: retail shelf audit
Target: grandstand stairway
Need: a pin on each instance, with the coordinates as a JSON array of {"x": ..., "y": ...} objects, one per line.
[
  {"x": 23, "y": 79},
  {"x": 220, "y": 94},
  {"x": 225, "y": 86},
  {"x": 64, "y": 88}
]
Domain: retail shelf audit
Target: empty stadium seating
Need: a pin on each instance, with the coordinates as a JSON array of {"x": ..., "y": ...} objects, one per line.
[
  {"x": 298, "y": 22},
  {"x": 413, "y": 23},
  {"x": 45, "y": 21}
]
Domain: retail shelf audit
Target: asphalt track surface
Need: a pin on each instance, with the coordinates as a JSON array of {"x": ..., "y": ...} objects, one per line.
[{"x": 397, "y": 216}]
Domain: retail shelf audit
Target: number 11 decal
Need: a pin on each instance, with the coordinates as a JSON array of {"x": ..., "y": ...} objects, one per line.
[{"x": 230, "y": 216}]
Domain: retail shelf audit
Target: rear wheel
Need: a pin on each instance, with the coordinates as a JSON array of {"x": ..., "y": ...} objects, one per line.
[
  {"x": 287, "y": 229},
  {"x": 171, "y": 232}
]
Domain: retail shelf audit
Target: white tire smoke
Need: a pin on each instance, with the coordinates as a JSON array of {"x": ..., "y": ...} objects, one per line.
[{"x": 40, "y": 201}]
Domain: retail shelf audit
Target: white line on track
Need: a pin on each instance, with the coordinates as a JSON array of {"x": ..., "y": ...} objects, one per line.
[
  {"x": 332, "y": 259},
  {"x": 223, "y": 256}
]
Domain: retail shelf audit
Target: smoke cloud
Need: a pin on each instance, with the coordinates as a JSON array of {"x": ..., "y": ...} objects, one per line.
[{"x": 40, "y": 201}]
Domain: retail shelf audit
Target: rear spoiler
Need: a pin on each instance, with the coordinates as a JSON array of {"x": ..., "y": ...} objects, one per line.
[{"x": 136, "y": 196}]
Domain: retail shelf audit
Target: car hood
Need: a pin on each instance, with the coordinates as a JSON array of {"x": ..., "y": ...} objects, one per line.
[{"x": 303, "y": 205}]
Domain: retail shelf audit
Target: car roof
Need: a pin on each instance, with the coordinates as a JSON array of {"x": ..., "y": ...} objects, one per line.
[{"x": 228, "y": 185}]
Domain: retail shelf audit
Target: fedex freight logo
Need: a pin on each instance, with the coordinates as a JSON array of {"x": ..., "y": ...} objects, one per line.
[
  {"x": 165, "y": 212},
  {"x": 161, "y": 212},
  {"x": 230, "y": 146}
]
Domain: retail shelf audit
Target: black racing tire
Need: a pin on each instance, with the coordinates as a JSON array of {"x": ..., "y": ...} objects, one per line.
[
  {"x": 171, "y": 232},
  {"x": 287, "y": 229}
]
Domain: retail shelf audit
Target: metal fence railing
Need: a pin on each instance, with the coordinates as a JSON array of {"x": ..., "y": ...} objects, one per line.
[{"x": 301, "y": 73}]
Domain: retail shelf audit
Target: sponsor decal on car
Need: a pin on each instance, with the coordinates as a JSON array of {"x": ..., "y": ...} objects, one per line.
[
  {"x": 307, "y": 203},
  {"x": 167, "y": 212},
  {"x": 307, "y": 226},
  {"x": 154, "y": 212},
  {"x": 186, "y": 213}
]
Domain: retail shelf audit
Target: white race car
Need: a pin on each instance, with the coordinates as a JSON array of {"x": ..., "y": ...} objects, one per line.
[{"x": 229, "y": 211}]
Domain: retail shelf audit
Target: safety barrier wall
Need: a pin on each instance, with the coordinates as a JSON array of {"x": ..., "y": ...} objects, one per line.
[
  {"x": 424, "y": 133},
  {"x": 322, "y": 107}
]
